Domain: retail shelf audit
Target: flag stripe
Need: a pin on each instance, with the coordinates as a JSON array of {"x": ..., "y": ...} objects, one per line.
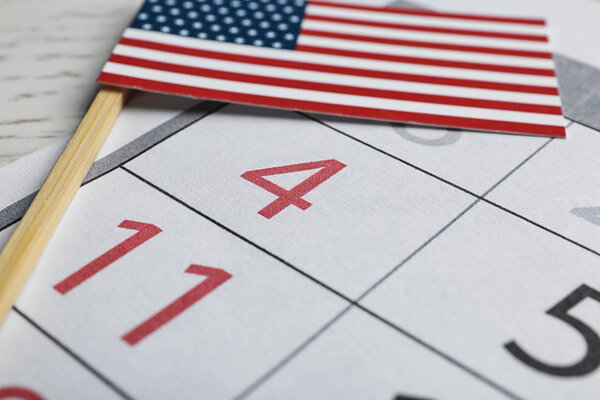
[
  {"x": 332, "y": 98},
  {"x": 370, "y": 51},
  {"x": 393, "y": 63},
  {"x": 416, "y": 38},
  {"x": 434, "y": 79},
  {"x": 334, "y": 88},
  {"x": 431, "y": 29},
  {"x": 383, "y": 15},
  {"x": 319, "y": 107},
  {"x": 434, "y": 14},
  {"x": 324, "y": 73},
  {"x": 427, "y": 61},
  {"x": 426, "y": 45},
  {"x": 440, "y": 54}
]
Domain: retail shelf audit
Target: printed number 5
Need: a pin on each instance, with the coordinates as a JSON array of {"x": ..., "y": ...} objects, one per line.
[{"x": 591, "y": 360}]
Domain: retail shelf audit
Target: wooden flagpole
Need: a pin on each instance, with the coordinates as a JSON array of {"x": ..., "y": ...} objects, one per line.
[{"x": 25, "y": 246}]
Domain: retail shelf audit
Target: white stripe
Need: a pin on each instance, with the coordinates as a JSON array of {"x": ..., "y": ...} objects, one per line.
[
  {"x": 339, "y": 61},
  {"x": 332, "y": 98},
  {"x": 452, "y": 55},
  {"x": 419, "y": 20},
  {"x": 445, "y": 38},
  {"x": 340, "y": 79}
]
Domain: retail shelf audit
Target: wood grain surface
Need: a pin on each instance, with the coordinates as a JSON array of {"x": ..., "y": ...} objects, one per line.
[{"x": 51, "y": 53}]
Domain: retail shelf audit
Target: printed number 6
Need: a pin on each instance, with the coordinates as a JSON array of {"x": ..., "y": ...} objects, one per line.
[{"x": 591, "y": 360}]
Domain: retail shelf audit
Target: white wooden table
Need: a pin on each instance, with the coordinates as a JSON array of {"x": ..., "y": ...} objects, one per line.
[{"x": 50, "y": 55}]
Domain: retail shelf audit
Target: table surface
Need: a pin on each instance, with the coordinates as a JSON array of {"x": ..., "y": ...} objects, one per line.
[{"x": 50, "y": 55}]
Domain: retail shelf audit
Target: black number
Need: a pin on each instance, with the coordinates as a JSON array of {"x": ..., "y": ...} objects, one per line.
[
  {"x": 403, "y": 397},
  {"x": 591, "y": 360},
  {"x": 450, "y": 135}
]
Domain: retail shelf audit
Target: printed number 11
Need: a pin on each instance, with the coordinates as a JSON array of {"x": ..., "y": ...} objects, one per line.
[{"x": 214, "y": 278}]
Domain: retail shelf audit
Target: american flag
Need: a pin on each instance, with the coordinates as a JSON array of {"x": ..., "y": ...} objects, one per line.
[{"x": 404, "y": 65}]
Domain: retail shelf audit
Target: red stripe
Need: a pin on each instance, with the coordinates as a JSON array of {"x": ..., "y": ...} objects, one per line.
[
  {"x": 426, "y": 61},
  {"x": 433, "y": 29},
  {"x": 347, "y": 53},
  {"x": 341, "y": 70},
  {"x": 426, "y": 45},
  {"x": 334, "y": 88},
  {"x": 312, "y": 106},
  {"x": 423, "y": 13}
]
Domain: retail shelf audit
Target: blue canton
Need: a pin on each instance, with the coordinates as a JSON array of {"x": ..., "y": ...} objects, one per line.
[{"x": 266, "y": 23}]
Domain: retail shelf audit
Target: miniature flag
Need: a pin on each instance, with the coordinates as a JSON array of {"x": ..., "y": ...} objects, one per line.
[{"x": 403, "y": 65}]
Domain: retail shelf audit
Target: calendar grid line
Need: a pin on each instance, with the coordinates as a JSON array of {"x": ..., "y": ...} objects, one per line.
[
  {"x": 352, "y": 302},
  {"x": 14, "y": 212},
  {"x": 325, "y": 286},
  {"x": 525, "y": 161},
  {"x": 265, "y": 377},
  {"x": 239, "y": 236},
  {"x": 456, "y": 186},
  {"x": 290, "y": 356},
  {"x": 113, "y": 386}
]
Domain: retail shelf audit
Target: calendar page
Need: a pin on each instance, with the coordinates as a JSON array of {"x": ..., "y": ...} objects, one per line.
[{"x": 220, "y": 251}]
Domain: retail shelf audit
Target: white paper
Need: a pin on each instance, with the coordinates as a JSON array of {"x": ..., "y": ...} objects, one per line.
[{"x": 413, "y": 271}]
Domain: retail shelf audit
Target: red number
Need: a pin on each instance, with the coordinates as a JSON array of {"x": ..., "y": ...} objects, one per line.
[
  {"x": 145, "y": 232},
  {"x": 328, "y": 168},
  {"x": 215, "y": 277},
  {"x": 11, "y": 392}
]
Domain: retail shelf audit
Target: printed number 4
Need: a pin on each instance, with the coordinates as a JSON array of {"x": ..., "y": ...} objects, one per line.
[
  {"x": 285, "y": 198},
  {"x": 214, "y": 278},
  {"x": 591, "y": 360}
]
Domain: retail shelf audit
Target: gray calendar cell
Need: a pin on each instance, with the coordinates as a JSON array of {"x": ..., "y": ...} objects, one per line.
[
  {"x": 556, "y": 186},
  {"x": 359, "y": 357},
  {"x": 472, "y": 160},
  {"x": 347, "y": 230},
  {"x": 516, "y": 303}
]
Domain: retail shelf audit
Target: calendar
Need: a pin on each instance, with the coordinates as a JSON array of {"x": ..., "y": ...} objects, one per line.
[{"x": 222, "y": 251}]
